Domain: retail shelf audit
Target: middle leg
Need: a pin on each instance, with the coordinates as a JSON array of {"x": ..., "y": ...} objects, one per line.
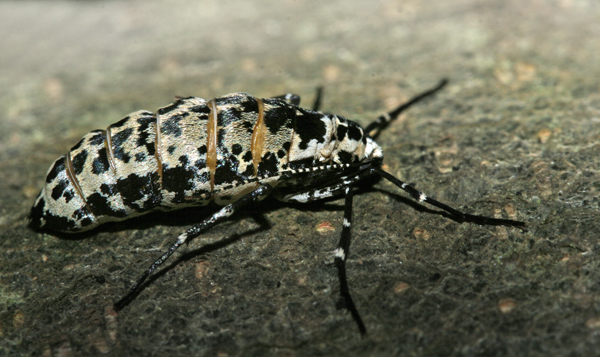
[{"x": 341, "y": 254}]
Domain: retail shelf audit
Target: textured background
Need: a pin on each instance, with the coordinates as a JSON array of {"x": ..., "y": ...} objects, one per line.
[{"x": 515, "y": 134}]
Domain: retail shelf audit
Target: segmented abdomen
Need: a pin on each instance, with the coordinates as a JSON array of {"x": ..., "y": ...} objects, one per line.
[{"x": 188, "y": 153}]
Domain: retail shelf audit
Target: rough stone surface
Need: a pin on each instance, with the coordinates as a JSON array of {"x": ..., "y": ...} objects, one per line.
[{"x": 515, "y": 134}]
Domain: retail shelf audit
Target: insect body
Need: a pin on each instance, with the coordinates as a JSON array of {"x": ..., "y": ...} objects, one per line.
[
  {"x": 195, "y": 151},
  {"x": 233, "y": 150}
]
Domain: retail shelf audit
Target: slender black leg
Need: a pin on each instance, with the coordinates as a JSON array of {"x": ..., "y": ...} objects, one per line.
[
  {"x": 461, "y": 216},
  {"x": 341, "y": 254},
  {"x": 317, "y": 102},
  {"x": 384, "y": 120},
  {"x": 191, "y": 233}
]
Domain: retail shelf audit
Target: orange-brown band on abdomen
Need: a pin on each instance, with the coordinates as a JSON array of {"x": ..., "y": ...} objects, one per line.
[
  {"x": 157, "y": 150},
  {"x": 71, "y": 176},
  {"x": 211, "y": 142},
  {"x": 109, "y": 150},
  {"x": 258, "y": 137}
]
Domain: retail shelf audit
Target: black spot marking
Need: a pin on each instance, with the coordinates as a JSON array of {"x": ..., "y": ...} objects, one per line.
[
  {"x": 57, "y": 223},
  {"x": 249, "y": 171},
  {"x": 101, "y": 206},
  {"x": 200, "y": 164},
  {"x": 120, "y": 123},
  {"x": 80, "y": 214},
  {"x": 169, "y": 108},
  {"x": 236, "y": 149},
  {"x": 144, "y": 122},
  {"x": 237, "y": 106},
  {"x": 85, "y": 222},
  {"x": 220, "y": 138},
  {"x": 248, "y": 125},
  {"x": 309, "y": 127},
  {"x": 140, "y": 157},
  {"x": 226, "y": 171},
  {"x": 281, "y": 154},
  {"x": 345, "y": 157},
  {"x": 118, "y": 141},
  {"x": 134, "y": 188},
  {"x": 239, "y": 101},
  {"x": 108, "y": 190},
  {"x": 178, "y": 179},
  {"x": 248, "y": 104},
  {"x": 354, "y": 132},
  {"x": 202, "y": 150},
  {"x": 170, "y": 125},
  {"x": 36, "y": 214},
  {"x": 83, "y": 216},
  {"x": 202, "y": 109},
  {"x": 247, "y": 156},
  {"x": 281, "y": 115},
  {"x": 59, "y": 189},
  {"x": 342, "y": 130},
  {"x": 146, "y": 134},
  {"x": 79, "y": 161},
  {"x": 268, "y": 165},
  {"x": 98, "y": 138},
  {"x": 68, "y": 195},
  {"x": 171, "y": 149},
  {"x": 100, "y": 164},
  {"x": 57, "y": 167},
  {"x": 286, "y": 146},
  {"x": 78, "y": 145},
  {"x": 153, "y": 200}
]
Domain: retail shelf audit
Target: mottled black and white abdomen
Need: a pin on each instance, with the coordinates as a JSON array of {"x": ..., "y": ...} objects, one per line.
[
  {"x": 192, "y": 152},
  {"x": 109, "y": 175}
]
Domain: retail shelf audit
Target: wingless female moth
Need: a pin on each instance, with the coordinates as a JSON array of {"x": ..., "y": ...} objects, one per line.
[{"x": 232, "y": 150}]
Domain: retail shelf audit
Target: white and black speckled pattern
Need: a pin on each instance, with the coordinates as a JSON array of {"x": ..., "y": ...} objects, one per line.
[{"x": 195, "y": 151}]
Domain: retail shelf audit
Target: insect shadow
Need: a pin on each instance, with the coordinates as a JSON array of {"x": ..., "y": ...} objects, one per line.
[
  {"x": 263, "y": 225},
  {"x": 180, "y": 218},
  {"x": 190, "y": 215}
]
